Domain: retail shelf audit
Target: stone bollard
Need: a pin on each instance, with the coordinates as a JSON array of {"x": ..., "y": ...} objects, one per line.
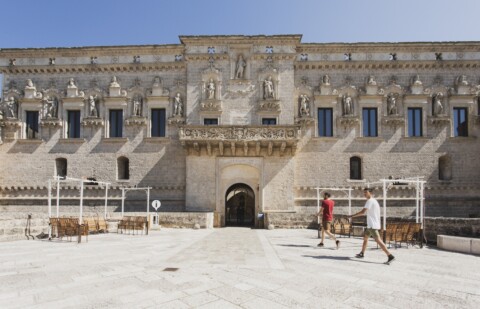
[
  {"x": 196, "y": 226},
  {"x": 271, "y": 227}
]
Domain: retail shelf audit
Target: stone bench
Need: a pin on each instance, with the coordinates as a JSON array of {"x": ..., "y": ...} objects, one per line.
[{"x": 459, "y": 244}]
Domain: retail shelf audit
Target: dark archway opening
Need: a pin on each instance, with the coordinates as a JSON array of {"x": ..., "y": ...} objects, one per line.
[{"x": 240, "y": 206}]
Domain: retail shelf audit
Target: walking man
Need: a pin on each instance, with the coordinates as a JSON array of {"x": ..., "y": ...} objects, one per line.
[
  {"x": 327, "y": 217},
  {"x": 372, "y": 209}
]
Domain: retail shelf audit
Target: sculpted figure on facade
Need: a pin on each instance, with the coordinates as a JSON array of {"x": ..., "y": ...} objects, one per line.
[
  {"x": 371, "y": 81},
  {"x": 211, "y": 89},
  {"x": 114, "y": 82},
  {"x": 326, "y": 80},
  {"x": 462, "y": 80},
  {"x": 268, "y": 89},
  {"x": 12, "y": 107},
  {"x": 347, "y": 104},
  {"x": 392, "y": 108},
  {"x": 71, "y": 83},
  {"x": 50, "y": 107},
  {"x": 137, "y": 105},
  {"x": 178, "y": 105},
  {"x": 438, "y": 106},
  {"x": 92, "y": 106},
  {"x": 30, "y": 85},
  {"x": 156, "y": 82},
  {"x": 240, "y": 67},
  {"x": 416, "y": 80},
  {"x": 304, "y": 105}
]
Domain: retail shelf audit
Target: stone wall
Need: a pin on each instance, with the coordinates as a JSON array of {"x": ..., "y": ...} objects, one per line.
[{"x": 452, "y": 227}]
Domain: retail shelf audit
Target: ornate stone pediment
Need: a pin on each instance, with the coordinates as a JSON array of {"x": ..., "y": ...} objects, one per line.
[
  {"x": 211, "y": 106},
  {"x": 348, "y": 121},
  {"x": 239, "y": 88},
  {"x": 176, "y": 120},
  {"x": 136, "y": 121},
  {"x": 51, "y": 122},
  {"x": 10, "y": 122},
  {"x": 440, "y": 120},
  {"x": 238, "y": 133},
  {"x": 305, "y": 120},
  {"x": 393, "y": 120},
  {"x": 269, "y": 106},
  {"x": 92, "y": 122}
]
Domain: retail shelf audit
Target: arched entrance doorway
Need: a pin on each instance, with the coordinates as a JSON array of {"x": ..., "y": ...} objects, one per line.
[{"x": 240, "y": 205}]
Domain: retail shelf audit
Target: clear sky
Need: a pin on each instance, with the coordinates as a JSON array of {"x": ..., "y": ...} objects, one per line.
[{"x": 66, "y": 23}]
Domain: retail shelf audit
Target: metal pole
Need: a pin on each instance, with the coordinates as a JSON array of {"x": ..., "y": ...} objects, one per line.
[
  {"x": 49, "y": 208},
  {"x": 417, "y": 188},
  {"x": 58, "y": 197},
  {"x": 422, "y": 209},
  {"x": 148, "y": 207},
  {"x": 80, "y": 220},
  {"x": 123, "y": 200},
  {"x": 106, "y": 199},
  {"x": 318, "y": 210},
  {"x": 350, "y": 201},
  {"x": 384, "y": 211}
]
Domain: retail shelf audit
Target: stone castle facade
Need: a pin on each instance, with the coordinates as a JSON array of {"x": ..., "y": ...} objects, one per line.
[{"x": 242, "y": 125}]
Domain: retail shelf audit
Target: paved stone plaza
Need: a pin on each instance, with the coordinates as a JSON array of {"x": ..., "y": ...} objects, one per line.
[{"x": 230, "y": 268}]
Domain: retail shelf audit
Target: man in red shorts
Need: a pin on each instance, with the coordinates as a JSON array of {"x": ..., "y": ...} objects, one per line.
[{"x": 327, "y": 218}]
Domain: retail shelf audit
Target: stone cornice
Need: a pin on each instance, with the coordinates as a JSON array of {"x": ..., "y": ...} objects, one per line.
[
  {"x": 91, "y": 51},
  {"x": 289, "y": 39},
  {"x": 388, "y": 47},
  {"x": 386, "y": 65},
  {"x": 89, "y": 68}
]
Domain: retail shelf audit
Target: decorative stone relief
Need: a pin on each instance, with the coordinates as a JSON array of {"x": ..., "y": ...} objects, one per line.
[
  {"x": 238, "y": 133},
  {"x": 115, "y": 89},
  {"x": 371, "y": 86},
  {"x": 157, "y": 88},
  {"x": 462, "y": 85},
  {"x": 72, "y": 89},
  {"x": 326, "y": 87},
  {"x": 30, "y": 91},
  {"x": 416, "y": 86}
]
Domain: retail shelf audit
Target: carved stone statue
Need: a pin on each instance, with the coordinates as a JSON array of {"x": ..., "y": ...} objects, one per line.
[
  {"x": 178, "y": 105},
  {"x": 211, "y": 89},
  {"x": 392, "y": 104},
  {"x": 137, "y": 105},
  {"x": 50, "y": 107},
  {"x": 156, "y": 82},
  {"x": 12, "y": 107},
  {"x": 114, "y": 82},
  {"x": 240, "y": 67},
  {"x": 462, "y": 80},
  {"x": 347, "y": 104},
  {"x": 30, "y": 85},
  {"x": 71, "y": 83},
  {"x": 416, "y": 80},
  {"x": 92, "y": 107},
  {"x": 326, "y": 80},
  {"x": 438, "y": 108},
  {"x": 304, "y": 105},
  {"x": 268, "y": 90},
  {"x": 371, "y": 81}
]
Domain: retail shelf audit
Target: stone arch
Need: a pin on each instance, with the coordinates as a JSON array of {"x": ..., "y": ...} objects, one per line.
[
  {"x": 123, "y": 168},
  {"x": 356, "y": 168},
  {"x": 240, "y": 205}
]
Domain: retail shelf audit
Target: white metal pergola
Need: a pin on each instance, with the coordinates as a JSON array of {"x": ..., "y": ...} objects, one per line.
[
  {"x": 347, "y": 191},
  {"x": 419, "y": 184},
  {"x": 146, "y": 189},
  {"x": 58, "y": 180}
]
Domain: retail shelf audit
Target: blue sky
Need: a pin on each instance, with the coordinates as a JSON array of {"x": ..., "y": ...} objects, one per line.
[{"x": 66, "y": 23}]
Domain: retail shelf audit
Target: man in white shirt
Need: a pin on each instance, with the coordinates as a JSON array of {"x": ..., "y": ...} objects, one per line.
[{"x": 372, "y": 209}]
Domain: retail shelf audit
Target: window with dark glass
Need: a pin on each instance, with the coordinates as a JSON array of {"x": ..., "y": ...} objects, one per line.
[
  {"x": 370, "y": 122},
  {"x": 61, "y": 167},
  {"x": 210, "y": 121},
  {"x": 355, "y": 168},
  {"x": 158, "y": 122},
  {"x": 415, "y": 122},
  {"x": 73, "y": 130},
  {"x": 123, "y": 168},
  {"x": 32, "y": 124},
  {"x": 116, "y": 122},
  {"x": 325, "y": 122},
  {"x": 460, "y": 123},
  {"x": 269, "y": 121}
]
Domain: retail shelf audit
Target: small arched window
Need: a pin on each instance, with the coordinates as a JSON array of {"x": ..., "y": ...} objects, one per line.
[
  {"x": 445, "y": 168},
  {"x": 123, "y": 168},
  {"x": 355, "y": 168},
  {"x": 61, "y": 167}
]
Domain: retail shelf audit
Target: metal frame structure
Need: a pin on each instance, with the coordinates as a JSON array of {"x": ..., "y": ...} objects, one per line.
[
  {"x": 146, "y": 189},
  {"x": 59, "y": 180},
  {"x": 419, "y": 199}
]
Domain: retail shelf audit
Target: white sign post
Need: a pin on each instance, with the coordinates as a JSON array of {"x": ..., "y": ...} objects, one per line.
[{"x": 156, "y": 205}]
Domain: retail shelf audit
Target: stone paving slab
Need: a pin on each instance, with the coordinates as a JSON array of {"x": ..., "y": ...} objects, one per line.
[{"x": 231, "y": 268}]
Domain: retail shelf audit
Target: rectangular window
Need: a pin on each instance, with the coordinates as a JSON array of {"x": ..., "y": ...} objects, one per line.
[
  {"x": 210, "y": 121},
  {"x": 269, "y": 121},
  {"x": 158, "y": 122},
  {"x": 415, "y": 122},
  {"x": 32, "y": 125},
  {"x": 370, "y": 122},
  {"x": 116, "y": 122},
  {"x": 73, "y": 130},
  {"x": 325, "y": 122},
  {"x": 460, "y": 122}
]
